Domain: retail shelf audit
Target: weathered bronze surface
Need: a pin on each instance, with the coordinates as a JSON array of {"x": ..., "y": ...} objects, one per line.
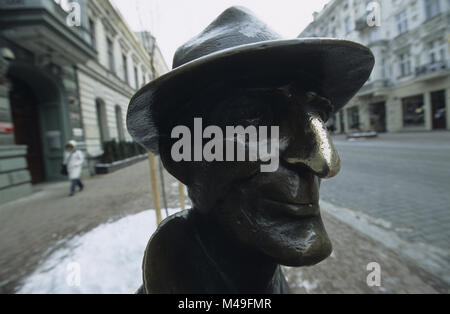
[{"x": 245, "y": 223}]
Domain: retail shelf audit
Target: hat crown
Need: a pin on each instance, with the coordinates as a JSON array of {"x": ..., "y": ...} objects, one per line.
[{"x": 236, "y": 26}]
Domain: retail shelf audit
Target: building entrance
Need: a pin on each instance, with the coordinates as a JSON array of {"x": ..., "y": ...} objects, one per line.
[
  {"x": 378, "y": 117},
  {"x": 439, "y": 115},
  {"x": 25, "y": 117}
]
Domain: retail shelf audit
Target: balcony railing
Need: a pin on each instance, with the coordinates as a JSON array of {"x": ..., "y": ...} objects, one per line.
[{"x": 431, "y": 68}]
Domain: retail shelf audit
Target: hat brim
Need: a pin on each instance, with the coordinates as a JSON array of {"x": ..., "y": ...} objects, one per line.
[{"x": 334, "y": 68}]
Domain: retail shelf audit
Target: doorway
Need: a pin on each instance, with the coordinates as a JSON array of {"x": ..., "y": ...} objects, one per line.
[
  {"x": 378, "y": 117},
  {"x": 341, "y": 121},
  {"x": 439, "y": 114},
  {"x": 27, "y": 131}
]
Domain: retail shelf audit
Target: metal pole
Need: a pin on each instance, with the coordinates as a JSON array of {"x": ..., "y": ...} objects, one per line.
[
  {"x": 181, "y": 187},
  {"x": 163, "y": 186},
  {"x": 154, "y": 182}
]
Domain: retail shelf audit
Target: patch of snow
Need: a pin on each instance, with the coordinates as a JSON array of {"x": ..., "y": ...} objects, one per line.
[
  {"x": 105, "y": 260},
  {"x": 308, "y": 285}
]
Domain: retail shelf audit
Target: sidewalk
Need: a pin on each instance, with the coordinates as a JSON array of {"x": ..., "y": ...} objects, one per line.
[
  {"x": 34, "y": 227},
  {"x": 345, "y": 271}
]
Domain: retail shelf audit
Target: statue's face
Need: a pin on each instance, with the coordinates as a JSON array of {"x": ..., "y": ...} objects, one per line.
[{"x": 275, "y": 212}]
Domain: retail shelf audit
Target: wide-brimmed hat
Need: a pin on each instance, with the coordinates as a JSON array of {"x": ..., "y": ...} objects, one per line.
[{"x": 239, "y": 48}]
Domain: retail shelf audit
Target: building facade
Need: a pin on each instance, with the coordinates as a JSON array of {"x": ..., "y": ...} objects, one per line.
[
  {"x": 107, "y": 82},
  {"x": 67, "y": 71},
  {"x": 409, "y": 88}
]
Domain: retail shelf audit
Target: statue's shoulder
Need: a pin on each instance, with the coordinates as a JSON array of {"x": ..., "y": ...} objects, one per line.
[
  {"x": 176, "y": 224},
  {"x": 170, "y": 253},
  {"x": 175, "y": 231}
]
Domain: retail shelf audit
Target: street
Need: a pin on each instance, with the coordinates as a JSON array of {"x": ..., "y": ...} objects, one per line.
[{"x": 403, "y": 179}]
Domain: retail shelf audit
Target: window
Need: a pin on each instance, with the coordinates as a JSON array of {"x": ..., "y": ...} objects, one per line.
[
  {"x": 353, "y": 117},
  {"x": 125, "y": 68},
  {"x": 374, "y": 35},
  {"x": 334, "y": 33},
  {"x": 436, "y": 51},
  {"x": 119, "y": 123},
  {"x": 402, "y": 22},
  {"x": 432, "y": 8},
  {"x": 102, "y": 121},
  {"x": 143, "y": 79},
  {"x": 112, "y": 66},
  {"x": 405, "y": 64},
  {"x": 92, "y": 33},
  {"x": 413, "y": 111},
  {"x": 136, "y": 80},
  {"x": 348, "y": 25}
]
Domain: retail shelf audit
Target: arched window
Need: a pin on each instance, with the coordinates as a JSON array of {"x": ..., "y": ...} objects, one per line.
[
  {"x": 102, "y": 121},
  {"x": 119, "y": 123}
]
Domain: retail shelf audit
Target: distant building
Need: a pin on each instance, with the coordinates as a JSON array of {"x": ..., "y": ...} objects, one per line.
[
  {"x": 409, "y": 89},
  {"x": 65, "y": 81}
]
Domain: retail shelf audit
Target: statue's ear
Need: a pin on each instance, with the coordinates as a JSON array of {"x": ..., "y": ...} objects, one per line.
[{"x": 181, "y": 170}]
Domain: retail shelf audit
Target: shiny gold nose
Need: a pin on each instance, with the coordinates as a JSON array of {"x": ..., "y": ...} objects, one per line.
[{"x": 315, "y": 150}]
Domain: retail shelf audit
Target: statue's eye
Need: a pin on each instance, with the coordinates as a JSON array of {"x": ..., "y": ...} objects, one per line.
[
  {"x": 323, "y": 114},
  {"x": 322, "y": 107}
]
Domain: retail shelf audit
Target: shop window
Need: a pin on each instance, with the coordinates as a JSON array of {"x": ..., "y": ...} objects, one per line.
[
  {"x": 413, "y": 111},
  {"x": 353, "y": 117}
]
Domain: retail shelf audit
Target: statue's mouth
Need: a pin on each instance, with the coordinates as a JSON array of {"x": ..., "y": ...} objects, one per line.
[{"x": 304, "y": 210}]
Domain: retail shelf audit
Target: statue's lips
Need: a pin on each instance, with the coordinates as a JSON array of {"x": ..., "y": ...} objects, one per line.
[{"x": 294, "y": 209}]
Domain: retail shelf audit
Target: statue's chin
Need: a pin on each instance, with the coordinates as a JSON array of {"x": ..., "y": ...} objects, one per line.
[
  {"x": 296, "y": 258},
  {"x": 302, "y": 244}
]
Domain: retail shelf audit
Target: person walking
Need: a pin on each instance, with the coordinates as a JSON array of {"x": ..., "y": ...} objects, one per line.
[{"x": 73, "y": 160}]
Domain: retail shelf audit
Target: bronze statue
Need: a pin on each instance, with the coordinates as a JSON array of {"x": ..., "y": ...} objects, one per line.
[{"x": 245, "y": 223}]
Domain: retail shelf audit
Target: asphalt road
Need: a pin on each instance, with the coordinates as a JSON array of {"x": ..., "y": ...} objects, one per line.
[{"x": 401, "y": 180}]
